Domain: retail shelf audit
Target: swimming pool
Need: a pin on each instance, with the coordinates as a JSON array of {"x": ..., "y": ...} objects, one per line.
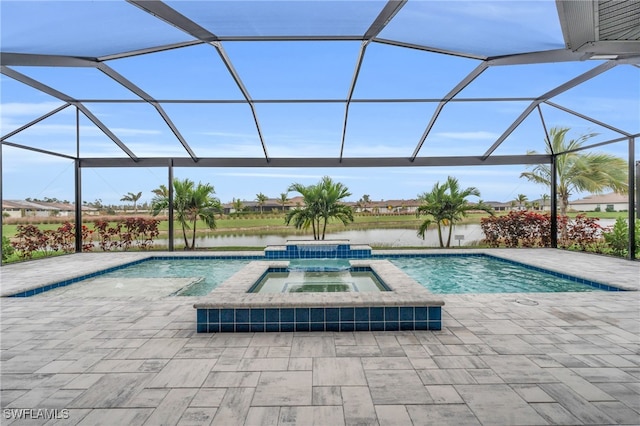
[
  {"x": 461, "y": 274},
  {"x": 439, "y": 273},
  {"x": 155, "y": 277}
]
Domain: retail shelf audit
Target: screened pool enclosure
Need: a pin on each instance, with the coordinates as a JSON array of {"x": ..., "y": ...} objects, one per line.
[{"x": 314, "y": 84}]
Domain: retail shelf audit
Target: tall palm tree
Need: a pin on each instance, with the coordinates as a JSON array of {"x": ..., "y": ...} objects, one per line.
[
  {"x": 190, "y": 203},
  {"x": 283, "y": 199},
  {"x": 577, "y": 171},
  {"x": 261, "y": 199},
  {"x": 447, "y": 204},
  {"x": 544, "y": 197},
  {"x": 365, "y": 201},
  {"x": 131, "y": 197},
  {"x": 332, "y": 208},
  {"x": 161, "y": 191},
  {"x": 237, "y": 205},
  {"x": 521, "y": 199},
  {"x": 161, "y": 196},
  {"x": 305, "y": 217},
  {"x": 322, "y": 203}
]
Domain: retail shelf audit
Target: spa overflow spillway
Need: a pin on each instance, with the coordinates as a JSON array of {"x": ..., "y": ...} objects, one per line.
[{"x": 323, "y": 294}]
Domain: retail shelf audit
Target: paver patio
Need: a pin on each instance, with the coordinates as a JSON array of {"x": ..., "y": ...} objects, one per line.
[{"x": 500, "y": 359}]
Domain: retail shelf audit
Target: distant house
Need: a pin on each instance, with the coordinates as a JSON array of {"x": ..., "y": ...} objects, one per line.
[
  {"x": 500, "y": 206},
  {"x": 386, "y": 206},
  {"x": 605, "y": 202},
  {"x": 22, "y": 208},
  {"x": 270, "y": 205}
]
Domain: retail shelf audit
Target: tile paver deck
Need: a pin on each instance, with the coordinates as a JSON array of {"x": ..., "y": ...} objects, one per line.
[{"x": 558, "y": 358}]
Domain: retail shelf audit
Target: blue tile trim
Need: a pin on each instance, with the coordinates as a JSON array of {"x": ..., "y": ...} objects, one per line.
[
  {"x": 584, "y": 281},
  {"x": 594, "y": 284},
  {"x": 374, "y": 318},
  {"x": 32, "y": 292}
]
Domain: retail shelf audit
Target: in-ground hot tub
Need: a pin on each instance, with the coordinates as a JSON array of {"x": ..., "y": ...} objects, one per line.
[
  {"x": 319, "y": 276},
  {"x": 232, "y": 307}
]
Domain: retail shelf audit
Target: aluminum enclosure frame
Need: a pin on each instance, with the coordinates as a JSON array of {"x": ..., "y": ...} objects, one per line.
[{"x": 582, "y": 43}]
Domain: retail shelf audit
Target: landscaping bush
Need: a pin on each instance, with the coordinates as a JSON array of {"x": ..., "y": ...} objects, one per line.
[
  {"x": 582, "y": 233},
  {"x": 532, "y": 229},
  {"x": 137, "y": 231},
  {"x": 617, "y": 238},
  {"x": 517, "y": 229},
  {"x": 7, "y": 248},
  {"x": 31, "y": 239},
  {"x": 127, "y": 232}
]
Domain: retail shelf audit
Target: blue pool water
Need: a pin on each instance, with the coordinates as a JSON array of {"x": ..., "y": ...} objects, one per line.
[
  {"x": 440, "y": 274},
  {"x": 483, "y": 274},
  {"x": 211, "y": 272}
]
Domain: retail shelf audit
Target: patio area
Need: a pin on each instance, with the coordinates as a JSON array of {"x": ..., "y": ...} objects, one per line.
[{"x": 533, "y": 359}]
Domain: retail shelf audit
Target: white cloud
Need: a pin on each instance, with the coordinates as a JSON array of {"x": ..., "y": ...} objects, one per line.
[{"x": 17, "y": 109}]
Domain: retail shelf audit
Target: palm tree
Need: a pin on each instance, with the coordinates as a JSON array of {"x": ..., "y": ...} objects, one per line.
[
  {"x": 161, "y": 196},
  {"x": 545, "y": 197},
  {"x": 364, "y": 201},
  {"x": 305, "y": 217},
  {"x": 447, "y": 204},
  {"x": 322, "y": 202},
  {"x": 190, "y": 204},
  {"x": 130, "y": 196},
  {"x": 521, "y": 199},
  {"x": 332, "y": 195},
  {"x": 237, "y": 205},
  {"x": 261, "y": 199},
  {"x": 161, "y": 191},
  {"x": 579, "y": 172},
  {"x": 283, "y": 199}
]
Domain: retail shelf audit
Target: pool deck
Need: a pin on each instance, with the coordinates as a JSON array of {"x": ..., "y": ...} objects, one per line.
[{"x": 500, "y": 359}]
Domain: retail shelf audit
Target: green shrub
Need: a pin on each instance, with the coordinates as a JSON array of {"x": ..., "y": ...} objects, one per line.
[
  {"x": 618, "y": 238},
  {"x": 7, "y": 248}
]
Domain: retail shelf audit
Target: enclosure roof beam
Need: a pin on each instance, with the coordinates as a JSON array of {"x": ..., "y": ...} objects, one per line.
[
  {"x": 39, "y": 150},
  {"x": 388, "y": 12},
  {"x": 356, "y": 162},
  {"x": 164, "y": 12},
  {"x": 36, "y": 121},
  {"x": 34, "y": 60},
  {"x": 585, "y": 117},
  {"x": 148, "y": 98},
  {"x": 59, "y": 95},
  {"x": 429, "y": 49},
  {"x": 546, "y": 56},
  {"x": 457, "y": 89},
  {"x": 148, "y": 50},
  {"x": 606, "y": 66}
]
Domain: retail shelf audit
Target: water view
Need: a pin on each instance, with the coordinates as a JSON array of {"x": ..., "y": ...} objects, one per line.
[{"x": 373, "y": 237}]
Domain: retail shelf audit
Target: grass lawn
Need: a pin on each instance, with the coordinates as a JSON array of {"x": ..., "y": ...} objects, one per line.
[{"x": 275, "y": 223}]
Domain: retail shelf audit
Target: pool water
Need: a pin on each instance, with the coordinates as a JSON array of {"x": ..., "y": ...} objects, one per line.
[
  {"x": 207, "y": 274},
  {"x": 482, "y": 274},
  {"x": 297, "y": 281}
]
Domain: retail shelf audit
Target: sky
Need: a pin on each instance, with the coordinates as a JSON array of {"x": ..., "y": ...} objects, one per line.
[{"x": 295, "y": 70}]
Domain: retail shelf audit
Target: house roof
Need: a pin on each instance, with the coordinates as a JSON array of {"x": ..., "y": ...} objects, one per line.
[
  {"x": 610, "y": 198},
  {"x": 40, "y": 205}
]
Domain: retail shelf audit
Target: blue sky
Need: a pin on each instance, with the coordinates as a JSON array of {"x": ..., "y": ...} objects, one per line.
[{"x": 295, "y": 70}]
